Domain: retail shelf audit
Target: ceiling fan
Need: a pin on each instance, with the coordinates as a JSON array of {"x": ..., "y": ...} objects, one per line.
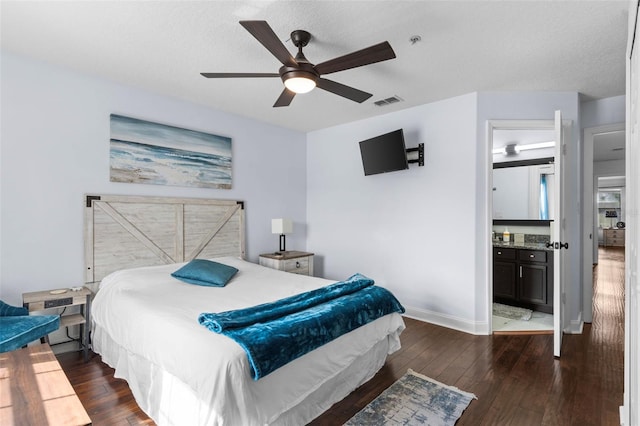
[{"x": 301, "y": 76}]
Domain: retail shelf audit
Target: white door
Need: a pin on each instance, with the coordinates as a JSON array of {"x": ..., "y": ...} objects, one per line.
[
  {"x": 558, "y": 237},
  {"x": 630, "y": 412}
]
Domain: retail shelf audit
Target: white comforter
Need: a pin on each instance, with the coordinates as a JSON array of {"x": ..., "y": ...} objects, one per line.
[{"x": 144, "y": 314}]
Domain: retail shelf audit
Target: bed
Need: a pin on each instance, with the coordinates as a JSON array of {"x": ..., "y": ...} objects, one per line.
[{"x": 145, "y": 322}]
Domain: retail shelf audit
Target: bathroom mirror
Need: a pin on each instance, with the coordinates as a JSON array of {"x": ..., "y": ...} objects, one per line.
[{"x": 523, "y": 191}]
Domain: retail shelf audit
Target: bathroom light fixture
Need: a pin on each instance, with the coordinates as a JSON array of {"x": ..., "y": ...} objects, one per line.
[
  {"x": 282, "y": 227},
  {"x": 498, "y": 150},
  {"x": 512, "y": 149},
  {"x": 538, "y": 145}
]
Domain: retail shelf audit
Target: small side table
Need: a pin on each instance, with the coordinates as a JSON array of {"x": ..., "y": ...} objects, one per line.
[
  {"x": 41, "y": 300},
  {"x": 296, "y": 262},
  {"x": 36, "y": 391}
]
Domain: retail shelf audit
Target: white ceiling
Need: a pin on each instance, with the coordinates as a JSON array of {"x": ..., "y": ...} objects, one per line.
[{"x": 466, "y": 46}]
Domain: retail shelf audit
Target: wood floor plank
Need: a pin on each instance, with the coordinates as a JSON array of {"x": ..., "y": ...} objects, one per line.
[{"x": 515, "y": 377}]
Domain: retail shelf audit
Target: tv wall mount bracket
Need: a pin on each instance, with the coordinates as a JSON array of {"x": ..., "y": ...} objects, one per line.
[{"x": 420, "y": 151}]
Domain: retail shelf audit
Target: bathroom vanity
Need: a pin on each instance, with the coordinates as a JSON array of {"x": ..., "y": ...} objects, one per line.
[
  {"x": 523, "y": 275},
  {"x": 523, "y": 204}
]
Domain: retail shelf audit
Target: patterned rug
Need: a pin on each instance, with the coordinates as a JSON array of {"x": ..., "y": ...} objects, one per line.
[
  {"x": 511, "y": 312},
  {"x": 414, "y": 400}
]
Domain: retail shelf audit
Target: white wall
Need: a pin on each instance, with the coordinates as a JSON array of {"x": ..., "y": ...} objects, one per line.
[
  {"x": 412, "y": 231},
  {"x": 609, "y": 168},
  {"x": 602, "y": 111},
  {"x": 55, "y": 148}
]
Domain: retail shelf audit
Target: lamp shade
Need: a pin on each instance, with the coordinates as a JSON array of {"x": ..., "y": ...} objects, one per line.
[{"x": 281, "y": 226}]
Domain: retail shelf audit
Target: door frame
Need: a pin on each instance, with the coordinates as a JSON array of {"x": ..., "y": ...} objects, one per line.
[
  {"x": 493, "y": 125},
  {"x": 590, "y": 225}
]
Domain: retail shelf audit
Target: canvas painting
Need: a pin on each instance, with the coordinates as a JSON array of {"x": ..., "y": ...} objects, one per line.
[{"x": 146, "y": 152}]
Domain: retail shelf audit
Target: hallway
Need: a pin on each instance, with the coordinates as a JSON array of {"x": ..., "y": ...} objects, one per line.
[{"x": 603, "y": 345}]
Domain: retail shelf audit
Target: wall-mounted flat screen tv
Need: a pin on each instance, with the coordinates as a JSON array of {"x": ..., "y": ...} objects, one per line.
[{"x": 384, "y": 153}]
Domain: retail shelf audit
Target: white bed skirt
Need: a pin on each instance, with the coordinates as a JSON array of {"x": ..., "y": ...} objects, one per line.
[{"x": 169, "y": 401}]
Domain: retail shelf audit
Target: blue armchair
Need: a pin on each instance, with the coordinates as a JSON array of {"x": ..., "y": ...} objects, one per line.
[{"x": 17, "y": 327}]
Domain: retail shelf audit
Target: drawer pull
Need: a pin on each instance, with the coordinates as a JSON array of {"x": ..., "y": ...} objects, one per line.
[
  {"x": 532, "y": 256},
  {"x": 499, "y": 252}
]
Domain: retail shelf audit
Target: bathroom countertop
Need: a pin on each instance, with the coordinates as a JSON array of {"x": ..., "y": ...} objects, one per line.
[{"x": 525, "y": 245}]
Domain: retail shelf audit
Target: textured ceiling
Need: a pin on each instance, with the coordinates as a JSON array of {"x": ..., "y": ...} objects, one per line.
[{"x": 162, "y": 46}]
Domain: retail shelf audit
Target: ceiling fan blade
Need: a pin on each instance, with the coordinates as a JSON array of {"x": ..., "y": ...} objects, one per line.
[
  {"x": 285, "y": 98},
  {"x": 238, "y": 74},
  {"x": 342, "y": 90},
  {"x": 370, "y": 55},
  {"x": 265, "y": 35}
]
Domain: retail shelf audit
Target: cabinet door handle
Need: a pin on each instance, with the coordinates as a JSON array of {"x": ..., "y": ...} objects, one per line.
[
  {"x": 520, "y": 271},
  {"x": 532, "y": 256}
]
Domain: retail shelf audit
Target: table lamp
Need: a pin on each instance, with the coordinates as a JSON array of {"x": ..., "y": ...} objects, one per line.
[{"x": 282, "y": 227}]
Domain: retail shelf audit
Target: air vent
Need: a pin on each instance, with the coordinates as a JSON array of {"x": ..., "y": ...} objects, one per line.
[{"x": 388, "y": 101}]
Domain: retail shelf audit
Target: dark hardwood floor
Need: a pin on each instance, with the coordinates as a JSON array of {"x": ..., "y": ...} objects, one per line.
[{"x": 515, "y": 377}]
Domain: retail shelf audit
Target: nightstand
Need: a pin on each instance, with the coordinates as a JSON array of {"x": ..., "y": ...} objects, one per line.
[
  {"x": 297, "y": 262},
  {"x": 614, "y": 237},
  {"x": 41, "y": 300}
]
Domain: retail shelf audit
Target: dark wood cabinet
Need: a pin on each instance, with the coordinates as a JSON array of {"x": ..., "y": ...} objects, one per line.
[
  {"x": 504, "y": 280},
  {"x": 505, "y": 274},
  {"x": 533, "y": 284},
  {"x": 524, "y": 278}
]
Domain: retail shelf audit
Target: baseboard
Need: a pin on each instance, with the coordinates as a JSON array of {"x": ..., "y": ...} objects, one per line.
[
  {"x": 575, "y": 326},
  {"x": 472, "y": 327},
  {"x": 624, "y": 416},
  {"x": 449, "y": 321}
]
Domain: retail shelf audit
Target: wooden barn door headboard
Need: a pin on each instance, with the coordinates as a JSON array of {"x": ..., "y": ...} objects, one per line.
[{"x": 128, "y": 231}]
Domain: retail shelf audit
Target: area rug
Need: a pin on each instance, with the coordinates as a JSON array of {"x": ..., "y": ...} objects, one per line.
[
  {"x": 414, "y": 400},
  {"x": 511, "y": 312}
]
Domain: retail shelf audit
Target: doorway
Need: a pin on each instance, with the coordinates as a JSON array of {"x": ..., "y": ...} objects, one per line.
[
  {"x": 535, "y": 274},
  {"x": 523, "y": 182},
  {"x": 604, "y": 156}
]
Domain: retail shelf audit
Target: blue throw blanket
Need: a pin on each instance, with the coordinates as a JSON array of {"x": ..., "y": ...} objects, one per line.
[
  {"x": 273, "y": 342},
  {"x": 218, "y": 322}
]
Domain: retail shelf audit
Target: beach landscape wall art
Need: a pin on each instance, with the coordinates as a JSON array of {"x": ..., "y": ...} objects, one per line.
[{"x": 146, "y": 152}]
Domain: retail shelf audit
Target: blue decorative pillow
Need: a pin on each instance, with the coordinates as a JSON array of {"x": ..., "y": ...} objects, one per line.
[{"x": 205, "y": 272}]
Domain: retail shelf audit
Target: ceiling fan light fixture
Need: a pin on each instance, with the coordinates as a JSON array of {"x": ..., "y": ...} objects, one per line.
[
  {"x": 301, "y": 76},
  {"x": 299, "y": 81},
  {"x": 300, "y": 84}
]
